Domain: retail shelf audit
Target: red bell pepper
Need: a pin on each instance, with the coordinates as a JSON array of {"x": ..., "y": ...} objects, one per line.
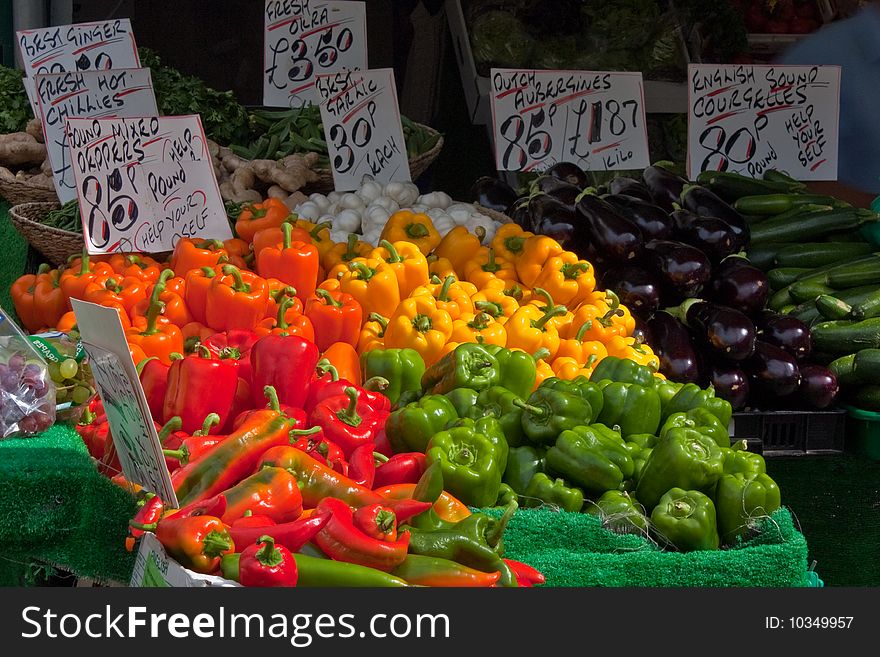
[
  {"x": 292, "y": 535},
  {"x": 297, "y": 416},
  {"x": 236, "y": 344},
  {"x": 348, "y": 420},
  {"x": 153, "y": 374},
  {"x": 326, "y": 383},
  {"x": 404, "y": 468},
  {"x": 341, "y": 540},
  {"x": 362, "y": 465},
  {"x": 265, "y": 564},
  {"x": 199, "y": 385},
  {"x": 196, "y": 542},
  {"x": 315, "y": 444},
  {"x": 149, "y": 513},
  {"x": 287, "y": 362},
  {"x": 382, "y": 445},
  {"x": 271, "y": 492},
  {"x": 376, "y": 521},
  {"x": 197, "y": 445}
]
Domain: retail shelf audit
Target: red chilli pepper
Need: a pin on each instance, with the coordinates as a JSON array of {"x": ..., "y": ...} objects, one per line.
[
  {"x": 348, "y": 420},
  {"x": 526, "y": 576},
  {"x": 213, "y": 506},
  {"x": 149, "y": 514},
  {"x": 267, "y": 564},
  {"x": 296, "y": 416},
  {"x": 377, "y": 521},
  {"x": 341, "y": 540},
  {"x": 197, "y": 542},
  {"x": 292, "y": 535},
  {"x": 195, "y": 446},
  {"x": 362, "y": 464},
  {"x": 403, "y": 468},
  {"x": 313, "y": 443}
]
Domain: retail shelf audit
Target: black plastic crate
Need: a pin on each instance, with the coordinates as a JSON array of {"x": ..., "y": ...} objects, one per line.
[{"x": 793, "y": 433}]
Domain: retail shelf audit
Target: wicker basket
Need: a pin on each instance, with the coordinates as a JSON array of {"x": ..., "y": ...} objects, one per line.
[
  {"x": 500, "y": 217},
  {"x": 55, "y": 244},
  {"x": 21, "y": 191},
  {"x": 417, "y": 166}
]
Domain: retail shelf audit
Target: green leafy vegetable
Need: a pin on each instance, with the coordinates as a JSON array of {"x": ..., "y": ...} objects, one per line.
[{"x": 15, "y": 111}]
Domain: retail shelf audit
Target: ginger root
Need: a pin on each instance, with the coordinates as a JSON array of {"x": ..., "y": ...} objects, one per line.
[
  {"x": 277, "y": 192},
  {"x": 35, "y": 129},
  {"x": 20, "y": 148},
  {"x": 46, "y": 168}
]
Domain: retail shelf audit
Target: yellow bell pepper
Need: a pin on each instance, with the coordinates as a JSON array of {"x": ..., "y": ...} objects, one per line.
[
  {"x": 460, "y": 245},
  {"x": 580, "y": 349},
  {"x": 494, "y": 300},
  {"x": 568, "y": 278},
  {"x": 412, "y": 227},
  {"x": 373, "y": 333},
  {"x": 544, "y": 301},
  {"x": 568, "y": 368},
  {"x": 320, "y": 234},
  {"x": 418, "y": 324},
  {"x": 536, "y": 251},
  {"x": 480, "y": 328},
  {"x": 345, "y": 252},
  {"x": 634, "y": 349},
  {"x": 409, "y": 264},
  {"x": 373, "y": 283},
  {"x": 440, "y": 267},
  {"x": 623, "y": 318},
  {"x": 485, "y": 267},
  {"x": 543, "y": 370},
  {"x": 531, "y": 328},
  {"x": 509, "y": 241},
  {"x": 450, "y": 295}
]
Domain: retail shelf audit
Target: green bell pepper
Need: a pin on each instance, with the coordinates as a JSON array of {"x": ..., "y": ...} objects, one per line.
[
  {"x": 468, "y": 460},
  {"x": 639, "y": 461},
  {"x": 490, "y": 427},
  {"x": 720, "y": 408},
  {"x": 580, "y": 386},
  {"x": 407, "y": 397},
  {"x": 463, "y": 399},
  {"x": 550, "y": 412},
  {"x": 593, "y": 457},
  {"x": 522, "y": 464},
  {"x": 689, "y": 396},
  {"x": 467, "y": 366},
  {"x": 642, "y": 440},
  {"x": 620, "y": 513},
  {"x": 738, "y": 459},
  {"x": 410, "y": 428},
  {"x": 506, "y": 495},
  {"x": 634, "y": 408},
  {"x": 700, "y": 419},
  {"x": 475, "y": 541},
  {"x": 403, "y": 368},
  {"x": 741, "y": 500},
  {"x": 544, "y": 490},
  {"x": 517, "y": 369},
  {"x": 623, "y": 370},
  {"x": 666, "y": 390},
  {"x": 500, "y": 403},
  {"x": 686, "y": 519},
  {"x": 684, "y": 458}
]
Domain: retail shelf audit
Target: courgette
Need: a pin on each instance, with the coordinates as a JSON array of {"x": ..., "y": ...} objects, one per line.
[
  {"x": 773, "y": 204},
  {"x": 763, "y": 256},
  {"x": 844, "y": 337},
  {"x": 823, "y": 274},
  {"x": 807, "y": 313},
  {"x": 867, "y": 307},
  {"x": 867, "y": 397},
  {"x": 802, "y": 291},
  {"x": 832, "y": 308},
  {"x": 810, "y": 225},
  {"x": 866, "y": 366},
  {"x": 855, "y": 274},
  {"x": 844, "y": 369},
  {"x": 819, "y": 254},
  {"x": 781, "y": 299},
  {"x": 776, "y": 176},
  {"x": 732, "y": 186},
  {"x": 783, "y": 276}
]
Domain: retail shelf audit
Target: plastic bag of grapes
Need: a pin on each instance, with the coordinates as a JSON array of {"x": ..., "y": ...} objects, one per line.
[
  {"x": 27, "y": 392},
  {"x": 70, "y": 371}
]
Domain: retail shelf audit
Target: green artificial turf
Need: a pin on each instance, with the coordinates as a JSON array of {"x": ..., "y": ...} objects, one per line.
[{"x": 12, "y": 263}]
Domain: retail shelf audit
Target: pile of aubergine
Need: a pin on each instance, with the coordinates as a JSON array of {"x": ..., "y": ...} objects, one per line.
[{"x": 674, "y": 252}]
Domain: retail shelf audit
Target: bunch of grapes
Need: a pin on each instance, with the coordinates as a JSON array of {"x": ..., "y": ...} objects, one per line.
[
  {"x": 73, "y": 381},
  {"x": 27, "y": 399}
]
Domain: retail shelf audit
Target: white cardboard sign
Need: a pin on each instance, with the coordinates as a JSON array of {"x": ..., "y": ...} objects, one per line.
[
  {"x": 95, "y": 46},
  {"x": 143, "y": 183},
  {"x": 119, "y": 92},
  {"x": 153, "y": 568},
  {"x": 305, "y": 38},
  {"x": 131, "y": 423},
  {"x": 747, "y": 119},
  {"x": 594, "y": 119},
  {"x": 362, "y": 125}
]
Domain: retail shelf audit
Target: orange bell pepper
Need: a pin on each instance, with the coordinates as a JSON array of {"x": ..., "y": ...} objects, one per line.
[
  {"x": 543, "y": 300},
  {"x": 174, "y": 307},
  {"x": 195, "y": 333},
  {"x": 530, "y": 328},
  {"x": 595, "y": 321},
  {"x": 451, "y": 295},
  {"x": 509, "y": 241},
  {"x": 536, "y": 251},
  {"x": 289, "y": 320},
  {"x": 198, "y": 282},
  {"x": 137, "y": 354},
  {"x": 319, "y": 233},
  {"x": 346, "y": 361},
  {"x": 460, "y": 245},
  {"x": 344, "y": 252},
  {"x": 192, "y": 254},
  {"x": 481, "y": 328},
  {"x": 127, "y": 292},
  {"x": 80, "y": 274},
  {"x": 236, "y": 300},
  {"x": 372, "y": 334},
  {"x": 256, "y": 216},
  {"x": 418, "y": 324},
  {"x": 67, "y": 322},
  {"x": 157, "y": 336},
  {"x": 408, "y": 263},
  {"x": 239, "y": 252},
  {"x": 567, "y": 278},
  {"x": 295, "y": 263},
  {"x": 336, "y": 316},
  {"x": 22, "y": 293},
  {"x": 374, "y": 285},
  {"x": 140, "y": 266},
  {"x": 485, "y": 267},
  {"x": 273, "y": 236},
  {"x": 405, "y": 225},
  {"x": 49, "y": 298}
]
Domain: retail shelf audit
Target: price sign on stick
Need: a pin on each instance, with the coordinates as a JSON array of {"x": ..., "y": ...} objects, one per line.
[
  {"x": 143, "y": 183},
  {"x": 747, "y": 119},
  {"x": 593, "y": 119},
  {"x": 120, "y": 92},
  {"x": 362, "y": 125},
  {"x": 134, "y": 434},
  {"x": 81, "y": 47},
  {"x": 306, "y": 38}
]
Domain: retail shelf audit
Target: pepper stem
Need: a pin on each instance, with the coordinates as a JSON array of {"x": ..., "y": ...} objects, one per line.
[
  {"x": 210, "y": 420},
  {"x": 491, "y": 266},
  {"x": 493, "y": 309},
  {"x": 208, "y": 272},
  {"x": 302, "y": 432},
  {"x": 571, "y": 271},
  {"x": 514, "y": 292},
  {"x": 586, "y": 326},
  {"x": 379, "y": 457},
  {"x": 417, "y": 230},
  {"x": 514, "y": 244},
  {"x": 385, "y": 520},
  {"x": 444, "y": 291},
  {"x": 350, "y": 251},
  {"x": 534, "y": 410},
  {"x": 134, "y": 524},
  {"x": 174, "y": 424},
  {"x": 216, "y": 543},
  {"x": 272, "y": 396},
  {"x": 328, "y": 298},
  {"x": 181, "y": 454},
  {"x": 493, "y": 536},
  {"x": 364, "y": 272},
  {"x": 153, "y": 311},
  {"x": 113, "y": 286},
  {"x": 393, "y": 254},
  {"x": 315, "y": 233},
  {"x": 550, "y": 313},
  {"x": 287, "y": 231},
  {"x": 480, "y": 322},
  {"x": 268, "y": 555},
  {"x": 44, "y": 268},
  {"x": 140, "y": 366},
  {"x": 283, "y": 307},
  {"x": 210, "y": 244},
  {"x": 543, "y": 352},
  {"x": 84, "y": 263},
  {"x": 324, "y": 366},
  {"x": 376, "y": 384},
  {"x": 422, "y": 323},
  {"x": 544, "y": 294},
  {"x": 203, "y": 351},
  {"x": 238, "y": 283},
  {"x": 350, "y": 415},
  {"x": 383, "y": 322}
]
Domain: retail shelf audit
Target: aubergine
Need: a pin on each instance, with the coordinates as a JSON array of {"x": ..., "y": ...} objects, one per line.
[
  {"x": 630, "y": 187},
  {"x": 570, "y": 173},
  {"x": 722, "y": 331},
  {"x": 636, "y": 287},
  {"x": 673, "y": 345},
  {"x": 681, "y": 269},
  {"x": 651, "y": 219},
  {"x": 558, "y": 189},
  {"x": 492, "y": 193},
  {"x": 664, "y": 185},
  {"x": 712, "y": 236},
  {"x": 786, "y": 332},
  {"x": 705, "y": 203},
  {"x": 739, "y": 284},
  {"x": 772, "y": 370},
  {"x": 730, "y": 383},
  {"x": 819, "y": 387},
  {"x": 612, "y": 234},
  {"x": 519, "y": 212},
  {"x": 555, "y": 219}
]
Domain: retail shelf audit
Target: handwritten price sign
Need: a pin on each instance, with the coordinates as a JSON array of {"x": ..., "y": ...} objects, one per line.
[
  {"x": 362, "y": 123},
  {"x": 593, "y": 119},
  {"x": 125, "y": 92},
  {"x": 143, "y": 183},
  {"x": 748, "y": 119},
  {"x": 82, "y": 47},
  {"x": 303, "y": 39}
]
